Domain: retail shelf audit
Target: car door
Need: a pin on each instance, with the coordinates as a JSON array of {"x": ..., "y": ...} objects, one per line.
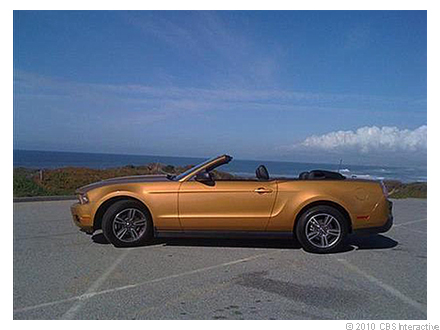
[{"x": 226, "y": 205}]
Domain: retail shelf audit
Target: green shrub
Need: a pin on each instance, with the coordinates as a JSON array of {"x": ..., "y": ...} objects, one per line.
[{"x": 25, "y": 186}]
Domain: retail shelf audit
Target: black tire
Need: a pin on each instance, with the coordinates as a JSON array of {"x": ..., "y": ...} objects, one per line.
[
  {"x": 123, "y": 209},
  {"x": 319, "y": 214}
]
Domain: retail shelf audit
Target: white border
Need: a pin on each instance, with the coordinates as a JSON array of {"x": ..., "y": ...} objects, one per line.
[{"x": 433, "y": 138}]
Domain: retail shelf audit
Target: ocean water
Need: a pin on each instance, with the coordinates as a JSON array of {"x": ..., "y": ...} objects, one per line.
[{"x": 52, "y": 159}]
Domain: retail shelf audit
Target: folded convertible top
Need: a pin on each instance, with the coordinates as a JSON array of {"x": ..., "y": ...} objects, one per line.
[{"x": 321, "y": 175}]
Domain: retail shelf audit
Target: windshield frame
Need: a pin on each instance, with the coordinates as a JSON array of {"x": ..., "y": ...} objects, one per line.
[{"x": 223, "y": 159}]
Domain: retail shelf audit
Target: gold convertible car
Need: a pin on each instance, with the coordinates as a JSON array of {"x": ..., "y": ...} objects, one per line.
[{"x": 319, "y": 208}]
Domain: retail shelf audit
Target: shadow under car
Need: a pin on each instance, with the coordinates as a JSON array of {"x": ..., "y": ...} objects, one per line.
[{"x": 359, "y": 242}]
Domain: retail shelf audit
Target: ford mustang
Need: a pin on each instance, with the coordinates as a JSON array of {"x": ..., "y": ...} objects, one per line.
[{"x": 319, "y": 208}]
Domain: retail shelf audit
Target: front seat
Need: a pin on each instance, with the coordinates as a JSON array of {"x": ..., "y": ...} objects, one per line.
[{"x": 262, "y": 173}]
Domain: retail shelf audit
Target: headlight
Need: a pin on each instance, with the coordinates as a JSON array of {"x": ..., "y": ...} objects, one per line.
[{"x": 83, "y": 199}]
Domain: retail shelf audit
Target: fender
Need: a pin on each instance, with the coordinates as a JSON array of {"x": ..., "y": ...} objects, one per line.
[
  {"x": 321, "y": 198},
  {"x": 288, "y": 208},
  {"x": 119, "y": 193}
]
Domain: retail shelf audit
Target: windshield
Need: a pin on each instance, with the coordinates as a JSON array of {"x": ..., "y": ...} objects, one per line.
[{"x": 194, "y": 168}]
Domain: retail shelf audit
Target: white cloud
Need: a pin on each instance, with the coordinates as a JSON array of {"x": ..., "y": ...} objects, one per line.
[{"x": 369, "y": 139}]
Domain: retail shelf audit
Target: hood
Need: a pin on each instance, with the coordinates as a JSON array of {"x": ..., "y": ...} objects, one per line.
[{"x": 122, "y": 180}]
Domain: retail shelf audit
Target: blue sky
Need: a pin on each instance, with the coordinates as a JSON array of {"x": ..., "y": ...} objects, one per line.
[{"x": 307, "y": 86}]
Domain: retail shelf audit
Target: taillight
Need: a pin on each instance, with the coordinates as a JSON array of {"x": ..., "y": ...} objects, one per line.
[{"x": 384, "y": 189}]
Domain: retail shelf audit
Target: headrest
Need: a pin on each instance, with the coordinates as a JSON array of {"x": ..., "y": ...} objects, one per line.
[{"x": 262, "y": 173}]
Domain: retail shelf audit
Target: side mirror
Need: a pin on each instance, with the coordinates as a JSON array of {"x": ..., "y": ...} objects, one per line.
[{"x": 204, "y": 177}]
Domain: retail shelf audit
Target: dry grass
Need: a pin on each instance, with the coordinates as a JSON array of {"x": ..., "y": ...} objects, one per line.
[{"x": 64, "y": 181}]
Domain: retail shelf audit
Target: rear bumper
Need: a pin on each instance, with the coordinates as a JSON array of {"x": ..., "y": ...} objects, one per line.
[{"x": 379, "y": 229}]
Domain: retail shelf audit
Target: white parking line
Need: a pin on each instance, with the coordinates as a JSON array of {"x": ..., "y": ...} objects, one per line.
[
  {"x": 414, "y": 230},
  {"x": 92, "y": 293},
  {"x": 396, "y": 293},
  {"x": 408, "y": 223},
  {"x": 70, "y": 314}
]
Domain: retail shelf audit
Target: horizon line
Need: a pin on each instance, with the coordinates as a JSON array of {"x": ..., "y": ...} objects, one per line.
[{"x": 207, "y": 157}]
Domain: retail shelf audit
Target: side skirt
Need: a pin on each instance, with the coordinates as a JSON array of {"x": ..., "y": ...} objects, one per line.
[{"x": 224, "y": 234}]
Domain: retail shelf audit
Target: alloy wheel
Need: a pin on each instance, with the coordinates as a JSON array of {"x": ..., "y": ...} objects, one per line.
[
  {"x": 323, "y": 230},
  {"x": 129, "y": 225}
]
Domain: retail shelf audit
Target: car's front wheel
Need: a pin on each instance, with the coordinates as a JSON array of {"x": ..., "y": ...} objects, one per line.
[
  {"x": 322, "y": 229},
  {"x": 127, "y": 223}
]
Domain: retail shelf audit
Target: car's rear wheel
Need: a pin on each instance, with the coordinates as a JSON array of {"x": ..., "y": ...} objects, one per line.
[
  {"x": 127, "y": 223},
  {"x": 322, "y": 229}
]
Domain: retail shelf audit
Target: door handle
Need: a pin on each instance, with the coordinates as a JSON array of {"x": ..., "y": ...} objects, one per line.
[{"x": 263, "y": 191}]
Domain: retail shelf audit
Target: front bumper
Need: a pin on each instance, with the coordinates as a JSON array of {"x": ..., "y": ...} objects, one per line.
[
  {"x": 380, "y": 229},
  {"x": 81, "y": 217}
]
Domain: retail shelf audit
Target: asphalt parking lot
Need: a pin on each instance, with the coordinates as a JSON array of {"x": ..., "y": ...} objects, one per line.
[{"x": 61, "y": 273}]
